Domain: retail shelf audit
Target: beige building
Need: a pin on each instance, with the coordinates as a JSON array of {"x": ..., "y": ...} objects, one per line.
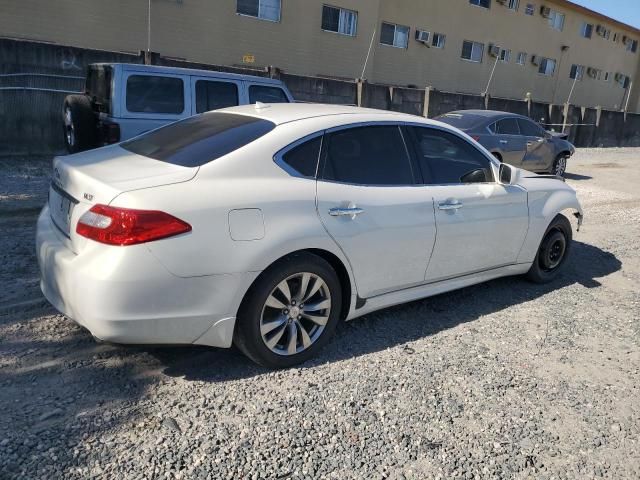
[{"x": 508, "y": 47}]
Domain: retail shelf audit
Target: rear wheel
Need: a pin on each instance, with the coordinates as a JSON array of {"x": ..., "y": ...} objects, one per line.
[
  {"x": 553, "y": 251},
  {"x": 560, "y": 165},
  {"x": 79, "y": 122},
  {"x": 290, "y": 312}
]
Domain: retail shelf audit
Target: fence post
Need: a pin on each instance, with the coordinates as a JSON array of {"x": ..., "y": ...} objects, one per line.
[
  {"x": 565, "y": 114},
  {"x": 598, "y": 113},
  {"x": 427, "y": 98},
  {"x": 359, "y": 91},
  {"x": 486, "y": 101}
]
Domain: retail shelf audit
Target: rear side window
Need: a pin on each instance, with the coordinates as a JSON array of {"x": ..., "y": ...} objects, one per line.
[
  {"x": 507, "y": 126},
  {"x": 529, "y": 128},
  {"x": 446, "y": 158},
  {"x": 304, "y": 157},
  {"x": 368, "y": 156},
  {"x": 265, "y": 94},
  {"x": 199, "y": 139},
  {"x": 212, "y": 95},
  {"x": 155, "y": 94}
]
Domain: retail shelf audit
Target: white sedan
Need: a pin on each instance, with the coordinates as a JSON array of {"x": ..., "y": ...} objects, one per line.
[{"x": 266, "y": 225}]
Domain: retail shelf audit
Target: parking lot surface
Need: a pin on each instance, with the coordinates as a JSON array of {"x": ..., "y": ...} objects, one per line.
[{"x": 502, "y": 380}]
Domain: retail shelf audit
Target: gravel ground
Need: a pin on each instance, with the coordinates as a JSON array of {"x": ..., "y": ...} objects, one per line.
[{"x": 502, "y": 380}]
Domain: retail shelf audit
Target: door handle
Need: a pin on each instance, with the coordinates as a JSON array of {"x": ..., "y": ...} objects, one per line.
[
  {"x": 504, "y": 142},
  {"x": 449, "y": 206},
  {"x": 345, "y": 212}
]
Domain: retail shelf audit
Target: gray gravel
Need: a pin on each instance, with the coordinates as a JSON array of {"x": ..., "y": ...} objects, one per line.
[{"x": 501, "y": 380}]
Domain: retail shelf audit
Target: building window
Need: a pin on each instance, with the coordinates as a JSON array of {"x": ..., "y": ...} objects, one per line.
[
  {"x": 472, "y": 51},
  {"x": 513, "y": 4},
  {"x": 438, "y": 40},
  {"x": 577, "y": 72},
  {"x": 632, "y": 46},
  {"x": 339, "y": 20},
  {"x": 530, "y": 10},
  {"x": 394, "y": 35},
  {"x": 522, "y": 58},
  {"x": 586, "y": 30},
  {"x": 615, "y": 37},
  {"x": 481, "y": 3},
  {"x": 505, "y": 55},
  {"x": 547, "y": 67},
  {"x": 556, "y": 20},
  {"x": 607, "y": 76},
  {"x": 262, "y": 9}
]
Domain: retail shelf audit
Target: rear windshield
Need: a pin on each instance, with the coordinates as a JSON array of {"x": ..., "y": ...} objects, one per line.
[
  {"x": 463, "y": 121},
  {"x": 200, "y": 139}
]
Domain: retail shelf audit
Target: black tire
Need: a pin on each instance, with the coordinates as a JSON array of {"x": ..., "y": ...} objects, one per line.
[
  {"x": 560, "y": 165},
  {"x": 248, "y": 337},
  {"x": 79, "y": 124},
  {"x": 556, "y": 241}
]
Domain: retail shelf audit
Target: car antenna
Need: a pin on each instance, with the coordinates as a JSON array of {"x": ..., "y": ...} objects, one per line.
[{"x": 260, "y": 105}]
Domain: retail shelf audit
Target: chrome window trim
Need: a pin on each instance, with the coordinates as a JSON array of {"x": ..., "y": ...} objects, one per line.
[{"x": 278, "y": 158}]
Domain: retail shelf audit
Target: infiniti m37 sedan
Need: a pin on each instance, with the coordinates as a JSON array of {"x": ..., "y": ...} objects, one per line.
[{"x": 266, "y": 225}]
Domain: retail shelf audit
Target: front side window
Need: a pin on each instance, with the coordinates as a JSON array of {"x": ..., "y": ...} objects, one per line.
[
  {"x": 522, "y": 58},
  {"x": 530, "y": 129},
  {"x": 547, "y": 67},
  {"x": 266, "y": 94},
  {"x": 556, "y": 20},
  {"x": 394, "y": 35},
  {"x": 339, "y": 20},
  {"x": 262, "y": 9},
  {"x": 199, "y": 139},
  {"x": 472, "y": 51},
  {"x": 155, "y": 94},
  {"x": 438, "y": 40},
  {"x": 586, "y": 30},
  {"x": 577, "y": 72},
  {"x": 211, "y": 95},
  {"x": 445, "y": 158},
  {"x": 507, "y": 126},
  {"x": 373, "y": 155},
  {"x": 481, "y": 3},
  {"x": 303, "y": 158}
]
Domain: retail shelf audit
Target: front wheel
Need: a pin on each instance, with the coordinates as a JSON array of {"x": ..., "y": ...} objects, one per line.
[
  {"x": 560, "y": 165},
  {"x": 553, "y": 251},
  {"x": 290, "y": 312}
]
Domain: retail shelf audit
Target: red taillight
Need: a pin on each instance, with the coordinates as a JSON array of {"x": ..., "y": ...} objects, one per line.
[
  {"x": 110, "y": 132},
  {"x": 476, "y": 137},
  {"x": 124, "y": 226}
]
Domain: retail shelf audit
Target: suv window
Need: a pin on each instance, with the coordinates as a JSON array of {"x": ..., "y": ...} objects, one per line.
[
  {"x": 507, "y": 126},
  {"x": 199, "y": 139},
  {"x": 155, "y": 94},
  {"x": 530, "y": 129},
  {"x": 211, "y": 95},
  {"x": 446, "y": 158},
  {"x": 304, "y": 157},
  {"x": 368, "y": 156},
  {"x": 264, "y": 94}
]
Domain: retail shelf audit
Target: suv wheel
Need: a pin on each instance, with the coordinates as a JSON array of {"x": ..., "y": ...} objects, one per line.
[
  {"x": 290, "y": 313},
  {"x": 79, "y": 123}
]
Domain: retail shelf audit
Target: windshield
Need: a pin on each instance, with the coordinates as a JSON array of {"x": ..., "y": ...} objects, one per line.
[{"x": 200, "y": 139}]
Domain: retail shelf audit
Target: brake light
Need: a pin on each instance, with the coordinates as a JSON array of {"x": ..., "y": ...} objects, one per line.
[
  {"x": 476, "y": 137},
  {"x": 124, "y": 226},
  {"x": 110, "y": 132}
]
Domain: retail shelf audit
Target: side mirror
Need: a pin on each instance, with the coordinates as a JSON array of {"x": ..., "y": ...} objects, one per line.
[{"x": 508, "y": 174}]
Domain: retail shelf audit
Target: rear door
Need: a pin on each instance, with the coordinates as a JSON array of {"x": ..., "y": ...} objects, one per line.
[
  {"x": 540, "y": 152},
  {"x": 511, "y": 143},
  {"x": 481, "y": 223},
  {"x": 151, "y": 100},
  {"x": 370, "y": 205},
  {"x": 211, "y": 94}
]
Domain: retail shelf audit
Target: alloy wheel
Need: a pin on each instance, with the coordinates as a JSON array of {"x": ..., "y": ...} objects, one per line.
[
  {"x": 561, "y": 166},
  {"x": 295, "y": 313}
]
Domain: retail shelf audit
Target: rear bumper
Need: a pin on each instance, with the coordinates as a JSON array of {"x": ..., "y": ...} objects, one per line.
[{"x": 124, "y": 295}]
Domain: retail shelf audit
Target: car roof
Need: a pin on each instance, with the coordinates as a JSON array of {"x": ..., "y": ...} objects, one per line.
[
  {"x": 191, "y": 71},
  {"x": 280, "y": 113},
  {"x": 487, "y": 113}
]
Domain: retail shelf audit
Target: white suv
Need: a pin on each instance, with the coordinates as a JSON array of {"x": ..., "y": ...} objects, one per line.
[{"x": 122, "y": 101}]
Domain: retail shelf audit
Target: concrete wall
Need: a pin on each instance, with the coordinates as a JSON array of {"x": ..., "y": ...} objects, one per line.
[
  {"x": 211, "y": 32},
  {"x": 30, "y": 105}
]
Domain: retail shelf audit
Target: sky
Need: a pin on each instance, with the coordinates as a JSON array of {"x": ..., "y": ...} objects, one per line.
[{"x": 626, "y": 11}]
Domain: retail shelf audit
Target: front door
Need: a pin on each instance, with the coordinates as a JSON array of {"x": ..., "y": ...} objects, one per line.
[
  {"x": 510, "y": 142},
  {"x": 540, "y": 151},
  {"x": 481, "y": 223},
  {"x": 370, "y": 205}
]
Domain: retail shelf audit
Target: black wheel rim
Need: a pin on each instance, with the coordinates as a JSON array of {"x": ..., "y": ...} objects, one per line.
[{"x": 552, "y": 251}]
